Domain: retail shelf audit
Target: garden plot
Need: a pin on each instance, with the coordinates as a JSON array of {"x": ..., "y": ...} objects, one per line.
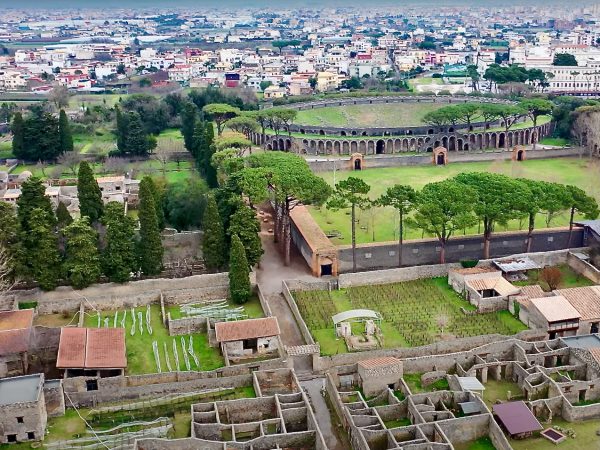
[
  {"x": 150, "y": 349},
  {"x": 414, "y": 313},
  {"x": 218, "y": 309}
]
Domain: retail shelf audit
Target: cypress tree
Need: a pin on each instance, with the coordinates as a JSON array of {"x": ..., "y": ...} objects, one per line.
[
  {"x": 63, "y": 218},
  {"x": 41, "y": 247},
  {"x": 33, "y": 196},
  {"x": 82, "y": 261},
  {"x": 246, "y": 226},
  {"x": 158, "y": 194},
  {"x": 213, "y": 240},
  {"x": 210, "y": 172},
  {"x": 138, "y": 142},
  {"x": 88, "y": 191},
  {"x": 188, "y": 124},
  {"x": 150, "y": 248},
  {"x": 121, "y": 131},
  {"x": 198, "y": 145},
  {"x": 64, "y": 132},
  {"x": 18, "y": 130},
  {"x": 118, "y": 257},
  {"x": 240, "y": 289}
]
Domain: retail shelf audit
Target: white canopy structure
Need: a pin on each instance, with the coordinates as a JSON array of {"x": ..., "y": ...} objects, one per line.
[{"x": 356, "y": 314}]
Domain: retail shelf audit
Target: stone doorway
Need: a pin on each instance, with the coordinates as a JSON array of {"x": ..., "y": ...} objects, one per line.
[{"x": 440, "y": 156}]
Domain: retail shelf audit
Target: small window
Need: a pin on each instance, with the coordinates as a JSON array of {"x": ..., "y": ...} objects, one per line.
[
  {"x": 11, "y": 438},
  {"x": 19, "y": 419},
  {"x": 30, "y": 435},
  {"x": 91, "y": 385}
]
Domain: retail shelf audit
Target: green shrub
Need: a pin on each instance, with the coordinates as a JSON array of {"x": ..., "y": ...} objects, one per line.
[
  {"x": 28, "y": 305},
  {"x": 468, "y": 263}
]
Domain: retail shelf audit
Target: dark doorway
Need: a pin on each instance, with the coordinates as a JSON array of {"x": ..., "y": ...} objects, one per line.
[
  {"x": 501, "y": 140},
  {"x": 582, "y": 395},
  {"x": 380, "y": 148},
  {"x": 520, "y": 155},
  {"x": 441, "y": 159},
  {"x": 326, "y": 269},
  {"x": 594, "y": 328},
  {"x": 357, "y": 164}
]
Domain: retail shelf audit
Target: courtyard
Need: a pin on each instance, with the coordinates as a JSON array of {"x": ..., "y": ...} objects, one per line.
[
  {"x": 380, "y": 224},
  {"x": 414, "y": 313}
]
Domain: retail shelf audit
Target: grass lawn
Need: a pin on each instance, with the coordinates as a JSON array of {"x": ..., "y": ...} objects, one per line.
[
  {"x": 484, "y": 443},
  {"x": 585, "y": 432},
  {"x": 397, "y": 423},
  {"x": 498, "y": 390},
  {"x": 6, "y": 149},
  {"x": 413, "y": 381},
  {"x": 252, "y": 308},
  {"x": 89, "y": 100},
  {"x": 570, "y": 279},
  {"x": 380, "y": 224},
  {"x": 376, "y": 115},
  {"x": 412, "y": 313},
  {"x": 424, "y": 80},
  {"x": 140, "y": 355},
  {"x": 559, "y": 142}
]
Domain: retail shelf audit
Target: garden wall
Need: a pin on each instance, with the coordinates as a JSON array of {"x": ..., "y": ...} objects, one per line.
[
  {"x": 583, "y": 268},
  {"x": 324, "y": 164},
  {"x": 427, "y": 251},
  {"x": 117, "y": 296},
  {"x": 308, "y": 339}
]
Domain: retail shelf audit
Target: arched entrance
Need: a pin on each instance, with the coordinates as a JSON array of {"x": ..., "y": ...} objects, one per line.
[
  {"x": 518, "y": 153},
  {"x": 380, "y": 147},
  {"x": 356, "y": 161},
  {"x": 440, "y": 156}
]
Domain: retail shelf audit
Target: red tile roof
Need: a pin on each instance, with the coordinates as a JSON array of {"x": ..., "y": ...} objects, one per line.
[
  {"x": 92, "y": 348},
  {"x": 246, "y": 329},
  {"x": 15, "y": 331},
  {"x": 14, "y": 320}
]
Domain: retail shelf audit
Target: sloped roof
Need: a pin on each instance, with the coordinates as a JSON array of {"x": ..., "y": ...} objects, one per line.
[
  {"x": 555, "y": 309},
  {"x": 470, "y": 384},
  {"x": 246, "y": 329},
  {"x": 378, "y": 362},
  {"x": 15, "y": 331},
  {"x": 516, "y": 417},
  {"x": 586, "y": 300},
  {"x": 92, "y": 348},
  {"x": 516, "y": 264},
  {"x": 499, "y": 284},
  {"x": 473, "y": 270}
]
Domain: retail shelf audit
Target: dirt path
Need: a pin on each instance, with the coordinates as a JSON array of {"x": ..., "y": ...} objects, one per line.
[{"x": 323, "y": 415}]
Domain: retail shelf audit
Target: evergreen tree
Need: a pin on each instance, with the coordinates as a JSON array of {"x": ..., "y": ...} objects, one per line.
[
  {"x": 198, "y": 145},
  {"x": 118, "y": 257},
  {"x": 240, "y": 289},
  {"x": 41, "y": 248},
  {"x": 210, "y": 172},
  {"x": 88, "y": 191},
  {"x": 33, "y": 196},
  {"x": 121, "y": 131},
  {"x": 10, "y": 239},
  {"x": 246, "y": 226},
  {"x": 150, "y": 248},
  {"x": 188, "y": 124},
  {"x": 138, "y": 141},
  {"x": 41, "y": 140},
  {"x": 213, "y": 239},
  {"x": 64, "y": 131},
  {"x": 158, "y": 195},
  {"x": 63, "y": 218},
  {"x": 18, "y": 130},
  {"x": 82, "y": 261}
]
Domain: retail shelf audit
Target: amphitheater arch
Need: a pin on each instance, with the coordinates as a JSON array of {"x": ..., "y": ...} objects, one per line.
[
  {"x": 380, "y": 147},
  {"x": 362, "y": 147},
  {"x": 494, "y": 140},
  {"x": 336, "y": 148},
  {"x": 343, "y": 133},
  {"x": 328, "y": 147},
  {"x": 269, "y": 147},
  {"x": 413, "y": 145},
  {"x": 353, "y": 132},
  {"x": 302, "y": 131},
  {"x": 322, "y": 132},
  {"x": 452, "y": 143},
  {"x": 353, "y": 147},
  {"x": 501, "y": 140},
  {"x": 420, "y": 142},
  {"x": 345, "y": 148},
  {"x": 534, "y": 136},
  {"x": 527, "y": 142},
  {"x": 320, "y": 147},
  {"x": 370, "y": 147},
  {"x": 405, "y": 145},
  {"x": 459, "y": 144},
  {"x": 275, "y": 144}
]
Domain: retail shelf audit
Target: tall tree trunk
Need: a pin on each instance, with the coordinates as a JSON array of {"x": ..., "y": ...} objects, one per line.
[
  {"x": 534, "y": 127},
  {"x": 487, "y": 232},
  {"x": 276, "y": 222},
  {"x": 443, "y": 250},
  {"x": 400, "y": 239},
  {"x": 572, "y": 216},
  {"x": 530, "y": 232},
  {"x": 287, "y": 238},
  {"x": 353, "y": 238}
]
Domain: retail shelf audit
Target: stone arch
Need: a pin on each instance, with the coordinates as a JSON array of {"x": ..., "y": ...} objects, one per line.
[
  {"x": 440, "y": 156},
  {"x": 353, "y": 146},
  {"x": 501, "y": 140},
  {"x": 275, "y": 144},
  {"x": 328, "y": 147},
  {"x": 370, "y": 147},
  {"x": 321, "y": 147},
  {"x": 353, "y": 132},
  {"x": 451, "y": 143},
  {"x": 362, "y": 147},
  {"x": 519, "y": 153},
  {"x": 459, "y": 144},
  {"x": 269, "y": 147},
  {"x": 288, "y": 144},
  {"x": 336, "y": 147},
  {"x": 380, "y": 147},
  {"x": 413, "y": 145},
  {"x": 398, "y": 145},
  {"x": 420, "y": 142},
  {"x": 405, "y": 145},
  {"x": 322, "y": 132},
  {"x": 343, "y": 133},
  {"x": 357, "y": 161},
  {"x": 345, "y": 148},
  {"x": 494, "y": 140},
  {"x": 527, "y": 141}
]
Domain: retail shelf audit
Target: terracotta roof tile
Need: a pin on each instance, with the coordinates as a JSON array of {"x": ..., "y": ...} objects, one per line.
[
  {"x": 378, "y": 362},
  {"x": 586, "y": 300},
  {"x": 14, "y": 320},
  {"x": 499, "y": 284},
  {"x": 474, "y": 270},
  {"x": 246, "y": 329},
  {"x": 555, "y": 309},
  {"x": 595, "y": 352},
  {"x": 92, "y": 348}
]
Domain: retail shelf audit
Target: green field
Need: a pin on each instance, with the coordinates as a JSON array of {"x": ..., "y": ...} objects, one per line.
[
  {"x": 376, "y": 115},
  {"x": 380, "y": 224},
  {"x": 412, "y": 312},
  {"x": 140, "y": 355}
]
